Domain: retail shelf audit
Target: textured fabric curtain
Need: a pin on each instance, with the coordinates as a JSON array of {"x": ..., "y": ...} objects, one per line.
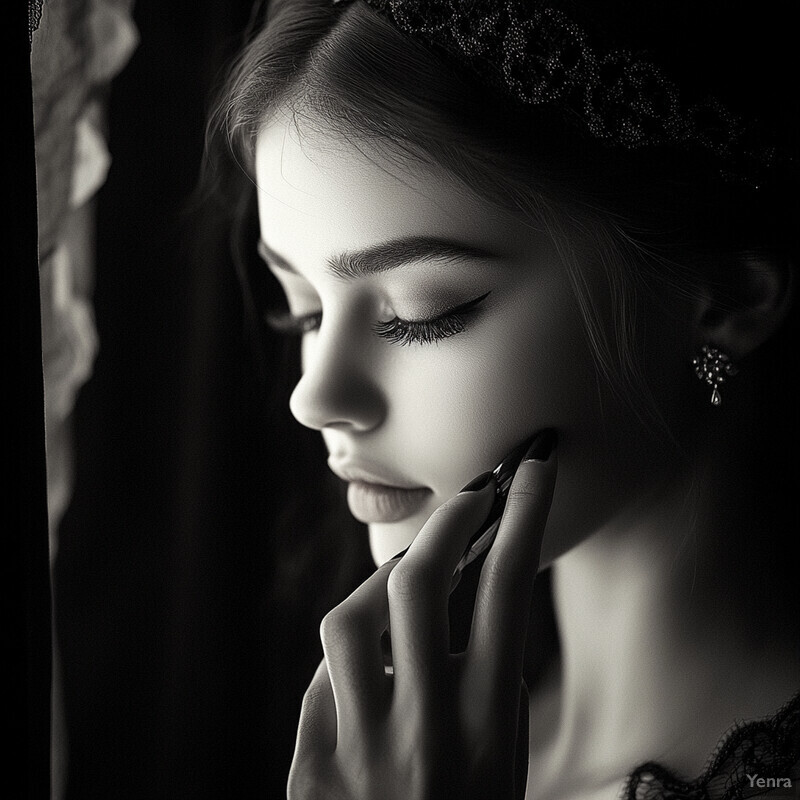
[{"x": 77, "y": 48}]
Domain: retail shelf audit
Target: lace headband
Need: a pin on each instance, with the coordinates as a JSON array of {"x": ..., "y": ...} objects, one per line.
[{"x": 538, "y": 56}]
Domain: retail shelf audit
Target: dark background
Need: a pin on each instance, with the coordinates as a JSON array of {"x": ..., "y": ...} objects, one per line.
[
  {"x": 182, "y": 674},
  {"x": 184, "y": 653}
]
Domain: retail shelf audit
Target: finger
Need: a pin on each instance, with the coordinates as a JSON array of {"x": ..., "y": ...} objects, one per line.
[
  {"x": 351, "y": 642},
  {"x": 419, "y": 589},
  {"x": 316, "y": 732},
  {"x": 500, "y": 620}
]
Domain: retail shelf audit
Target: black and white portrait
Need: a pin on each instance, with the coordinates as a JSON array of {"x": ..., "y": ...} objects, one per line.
[{"x": 418, "y": 409}]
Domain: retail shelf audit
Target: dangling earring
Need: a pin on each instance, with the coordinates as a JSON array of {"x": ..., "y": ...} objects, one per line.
[{"x": 713, "y": 366}]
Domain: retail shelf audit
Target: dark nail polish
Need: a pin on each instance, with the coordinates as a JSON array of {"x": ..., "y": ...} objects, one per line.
[
  {"x": 399, "y": 555},
  {"x": 542, "y": 446},
  {"x": 476, "y": 484}
]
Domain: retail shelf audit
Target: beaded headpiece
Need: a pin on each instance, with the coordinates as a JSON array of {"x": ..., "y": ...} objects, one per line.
[{"x": 536, "y": 55}]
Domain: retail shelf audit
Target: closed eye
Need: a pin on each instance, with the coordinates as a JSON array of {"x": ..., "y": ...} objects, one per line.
[
  {"x": 396, "y": 330},
  {"x": 428, "y": 331}
]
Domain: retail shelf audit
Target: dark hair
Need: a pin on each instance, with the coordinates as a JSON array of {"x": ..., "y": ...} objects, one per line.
[
  {"x": 349, "y": 69},
  {"x": 658, "y": 217}
]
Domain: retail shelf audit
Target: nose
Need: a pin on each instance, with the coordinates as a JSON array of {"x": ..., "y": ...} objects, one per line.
[{"x": 337, "y": 389}]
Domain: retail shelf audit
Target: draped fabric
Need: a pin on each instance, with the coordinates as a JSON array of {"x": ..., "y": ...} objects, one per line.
[{"x": 77, "y": 47}]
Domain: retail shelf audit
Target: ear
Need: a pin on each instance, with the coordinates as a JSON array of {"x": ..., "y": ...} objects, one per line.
[{"x": 739, "y": 320}]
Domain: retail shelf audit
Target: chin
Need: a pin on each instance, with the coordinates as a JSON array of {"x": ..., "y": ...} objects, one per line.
[{"x": 387, "y": 539}]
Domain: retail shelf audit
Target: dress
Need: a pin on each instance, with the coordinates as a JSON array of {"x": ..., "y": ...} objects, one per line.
[{"x": 754, "y": 759}]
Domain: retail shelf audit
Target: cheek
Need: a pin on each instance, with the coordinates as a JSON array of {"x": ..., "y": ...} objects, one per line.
[
  {"x": 458, "y": 408},
  {"x": 464, "y": 405},
  {"x": 466, "y": 402}
]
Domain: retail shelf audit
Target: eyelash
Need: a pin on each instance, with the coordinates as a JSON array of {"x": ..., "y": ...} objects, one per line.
[{"x": 396, "y": 331}]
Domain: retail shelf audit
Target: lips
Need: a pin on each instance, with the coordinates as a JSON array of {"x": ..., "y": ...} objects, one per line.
[
  {"x": 374, "y": 498},
  {"x": 371, "y": 502}
]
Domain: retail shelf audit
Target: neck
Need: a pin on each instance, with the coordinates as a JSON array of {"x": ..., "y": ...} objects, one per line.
[{"x": 657, "y": 659}]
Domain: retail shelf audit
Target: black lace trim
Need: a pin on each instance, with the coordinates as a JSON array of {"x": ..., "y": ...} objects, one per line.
[{"x": 768, "y": 749}]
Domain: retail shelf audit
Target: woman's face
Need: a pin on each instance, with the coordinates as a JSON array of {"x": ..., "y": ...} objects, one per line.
[{"x": 448, "y": 334}]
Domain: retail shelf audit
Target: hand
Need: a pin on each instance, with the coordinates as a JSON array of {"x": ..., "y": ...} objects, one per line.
[{"x": 442, "y": 725}]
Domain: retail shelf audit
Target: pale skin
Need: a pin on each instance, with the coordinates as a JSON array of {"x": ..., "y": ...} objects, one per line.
[{"x": 642, "y": 655}]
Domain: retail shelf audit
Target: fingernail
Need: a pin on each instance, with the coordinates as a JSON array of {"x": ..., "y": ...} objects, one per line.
[
  {"x": 398, "y": 556},
  {"x": 542, "y": 446},
  {"x": 476, "y": 484}
]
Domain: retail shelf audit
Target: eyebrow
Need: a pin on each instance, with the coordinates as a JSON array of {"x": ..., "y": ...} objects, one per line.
[{"x": 386, "y": 256}]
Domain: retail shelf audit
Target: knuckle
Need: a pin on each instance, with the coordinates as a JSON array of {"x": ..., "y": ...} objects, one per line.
[
  {"x": 409, "y": 581},
  {"x": 346, "y": 623},
  {"x": 329, "y": 627},
  {"x": 520, "y": 500},
  {"x": 338, "y": 624}
]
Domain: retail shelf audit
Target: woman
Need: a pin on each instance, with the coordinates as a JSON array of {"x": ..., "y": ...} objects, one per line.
[{"x": 499, "y": 223}]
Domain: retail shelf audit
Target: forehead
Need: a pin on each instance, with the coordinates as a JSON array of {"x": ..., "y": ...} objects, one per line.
[{"x": 314, "y": 187}]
